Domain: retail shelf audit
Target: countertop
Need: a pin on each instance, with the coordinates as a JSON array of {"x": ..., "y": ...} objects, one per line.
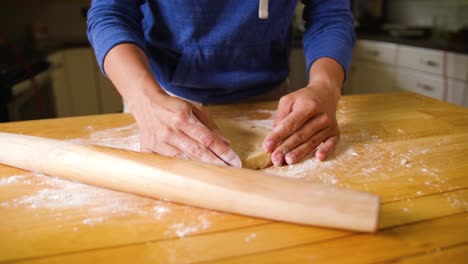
[
  {"x": 457, "y": 47},
  {"x": 409, "y": 149}
]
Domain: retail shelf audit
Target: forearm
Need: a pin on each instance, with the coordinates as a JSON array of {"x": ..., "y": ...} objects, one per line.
[
  {"x": 128, "y": 68},
  {"x": 329, "y": 32}
]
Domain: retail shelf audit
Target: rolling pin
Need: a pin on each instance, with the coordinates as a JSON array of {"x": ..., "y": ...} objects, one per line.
[{"x": 222, "y": 188}]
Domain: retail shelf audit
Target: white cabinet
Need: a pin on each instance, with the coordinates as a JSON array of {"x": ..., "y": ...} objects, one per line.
[
  {"x": 298, "y": 72},
  {"x": 62, "y": 95},
  {"x": 457, "y": 66},
  {"x": 79, "y": 87},
  {"x": 372, "y": 69},
  {"x": 438, "y": 74},
  {"x": 371, "y": 77},
  {"x": 375, "y": 51},
  {"x": 420, "y": 82},
  {"x": 82, "y": 83},
  {"x": 421, "y": 59},
  {"x": 457, "y": 92},
  {"x": 110, "y": 99},
  {"x": 384, "y": 67}
]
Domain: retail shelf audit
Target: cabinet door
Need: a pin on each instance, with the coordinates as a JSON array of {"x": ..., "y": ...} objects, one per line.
[
  {"x": 371, "y": 78},
  {"x": 422, "y": 83},
  {"x": 457, "y": 66},
  {"x": 457, "y": 92},
  {"x": 60, "y": 88},
  {"x": 82, "y": 81},
  {"x": 421, "y": 59},
  {"x": 375, "y": 51},
  {"x": 432, "y": 85},
  {"x": 297, "y": 76},
  {"x": 111, "y": 101}
]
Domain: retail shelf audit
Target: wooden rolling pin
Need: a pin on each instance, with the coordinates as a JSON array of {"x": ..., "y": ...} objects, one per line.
[{"x": 227, "y": 189}]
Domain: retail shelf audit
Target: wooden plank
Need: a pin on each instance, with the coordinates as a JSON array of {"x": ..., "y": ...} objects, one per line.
[
  {"x": 387, "y": 245},
  {"x": 262, "y": 237},
  {"x": 452, "y": 255}
]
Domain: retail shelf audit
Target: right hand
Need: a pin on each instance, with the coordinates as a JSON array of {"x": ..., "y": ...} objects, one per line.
[{"x": 174, "y": 127}]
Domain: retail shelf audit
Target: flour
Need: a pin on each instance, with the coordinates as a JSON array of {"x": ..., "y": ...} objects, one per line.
[
  {"x": 185, "y": 228},
  {"x": 265, "y": 123},
  {"x": 97, "y": 205},
  {"x": 126, "y": 137},
  {"x": 13, "y": 179},
  {"x": 250, "y": 237}
]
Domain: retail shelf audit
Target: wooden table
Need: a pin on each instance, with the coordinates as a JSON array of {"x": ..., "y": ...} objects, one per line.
[{"x": 409, "y": 149}]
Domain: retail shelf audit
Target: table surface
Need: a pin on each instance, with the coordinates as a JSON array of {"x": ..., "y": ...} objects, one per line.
[{"x": 410, "y": 150}]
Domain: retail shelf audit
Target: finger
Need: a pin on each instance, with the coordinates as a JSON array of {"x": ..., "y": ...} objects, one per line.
[
  {"x": 307, "y": 147},
  {"x": 194, "y": 150},
  {"x": 210, "y": 140},
  {"x": 302, "y": 135},
  {"x": 327, "y": 148},
  {"x": 287, "y": 127},
  {"x": 204, "y": 117},
  {"x": 168, "y": 150},
  {"x": 162, "y": 149},
  {"x": 284, "y": 108}
]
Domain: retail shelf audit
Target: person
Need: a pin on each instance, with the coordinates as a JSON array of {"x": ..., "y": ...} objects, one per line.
[{"x": 168, "y": 58}]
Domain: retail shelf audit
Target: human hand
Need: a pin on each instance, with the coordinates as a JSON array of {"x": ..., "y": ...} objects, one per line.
[
  {"x": 173, "y": 127},
  {"x": 305, "y": 120}
]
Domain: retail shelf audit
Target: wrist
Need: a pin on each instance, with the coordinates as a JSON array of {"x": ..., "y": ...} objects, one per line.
[
  {"x": 325, "y": 88},
  {"x": 326, "y": 75},
  {"x": 145, "y": 94}
]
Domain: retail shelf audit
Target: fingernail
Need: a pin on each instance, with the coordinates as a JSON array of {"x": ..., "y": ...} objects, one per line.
[
  {"x": 268, "y": 145},
  {"x": 232, "y": 159},
  {"x": 278, "y": 159},
  {"x": 290, "y": 158},
  {"x": 320, "y": 155}
]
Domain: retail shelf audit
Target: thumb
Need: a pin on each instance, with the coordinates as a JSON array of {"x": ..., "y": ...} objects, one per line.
[{"x": 284, "y": 109}]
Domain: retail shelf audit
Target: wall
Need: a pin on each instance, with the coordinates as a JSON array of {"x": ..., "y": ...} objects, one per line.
[
  {"x": 443, "y": 14},
  {"x": 63, "y": 19}
]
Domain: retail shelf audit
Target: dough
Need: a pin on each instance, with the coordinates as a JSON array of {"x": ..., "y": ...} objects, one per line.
[{"x": 246, "y": 140}]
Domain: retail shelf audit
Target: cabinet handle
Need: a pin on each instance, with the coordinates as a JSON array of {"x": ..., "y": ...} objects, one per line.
[
  {"x": 425, "y": 87},
  {"x": 374, "y": 53},
  {"x": 430, "y": 63}
]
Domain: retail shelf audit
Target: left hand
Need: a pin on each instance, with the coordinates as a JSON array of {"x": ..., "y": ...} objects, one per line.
[{"x": 305, "y": 119}]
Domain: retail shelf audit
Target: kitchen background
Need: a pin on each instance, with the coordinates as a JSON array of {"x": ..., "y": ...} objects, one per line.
[{"x": 47, "y": 68}]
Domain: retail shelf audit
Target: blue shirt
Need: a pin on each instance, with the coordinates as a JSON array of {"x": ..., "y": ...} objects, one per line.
[{"x": 218, "y": 51}]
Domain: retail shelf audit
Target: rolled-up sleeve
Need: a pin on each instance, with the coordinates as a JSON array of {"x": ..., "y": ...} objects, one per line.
[
  {"x": 329, "y": 31},
  {"x": 112, "y": 22}
]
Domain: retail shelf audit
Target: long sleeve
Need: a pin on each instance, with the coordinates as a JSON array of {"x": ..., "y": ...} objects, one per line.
[
  {"x": 112, "y": 22},
  {"x": 329, "y": 31}
]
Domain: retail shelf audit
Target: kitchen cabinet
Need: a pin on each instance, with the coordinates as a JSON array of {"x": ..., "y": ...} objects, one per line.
[
  {"x": 372, "y": 69},
  {"x": 421, "y": 59},
  {"x": 385, "y": 67},
  {"x": 438, "y": 74},
  {"x": 110, "y": 99},
  {"x": 79, "y": 87},
  {"x": 371, "y": 77},
  {"x": 298, "y": 71}
]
